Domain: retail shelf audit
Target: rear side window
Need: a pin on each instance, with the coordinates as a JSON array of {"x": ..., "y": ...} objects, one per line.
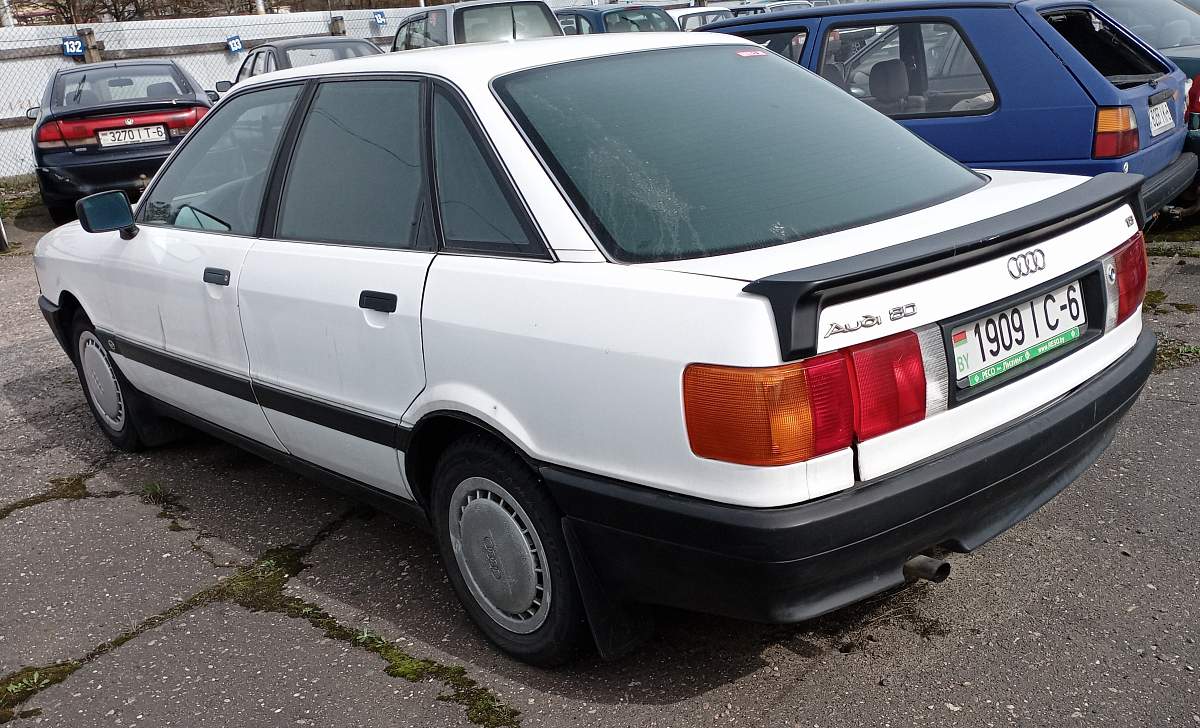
[
  {"x": 1109, "y": 51},
  {"x": 640, "y": 183},
  {"x": 638, "y": 20},
  {"x": 505, "y": 22},
  {"x": 216, "y": 181},
  {"x": 908, "y": 69},
  {"x": 789, "y": 44},
  {"x": 101, "y": 85},
  {"x": 356, "y": 173},
  {"x": 477, "y": 211}
]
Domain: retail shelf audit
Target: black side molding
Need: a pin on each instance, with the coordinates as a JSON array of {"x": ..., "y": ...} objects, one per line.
[{"x": 797, "y": 296}]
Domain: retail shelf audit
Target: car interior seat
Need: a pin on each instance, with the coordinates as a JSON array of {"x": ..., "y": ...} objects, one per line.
[
  {"x": 164, "y": 90},
  {"x": 889, "y": 89}
]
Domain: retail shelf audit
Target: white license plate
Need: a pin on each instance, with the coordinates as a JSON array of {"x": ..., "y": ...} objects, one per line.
[
  {"x": 999, "y": 342},
  {"x": 1161, "y": 119},
  {"x": 132, "y": 135}
]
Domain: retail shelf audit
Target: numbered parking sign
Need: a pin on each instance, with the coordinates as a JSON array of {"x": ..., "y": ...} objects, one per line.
[
  {"x": 234, "y": 43},
  {"x": 72, "y": 46},
  {"x": 380, "y": 18}
]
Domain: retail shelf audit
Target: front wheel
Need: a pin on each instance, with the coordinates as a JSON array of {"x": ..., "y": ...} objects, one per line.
[{"x": 501, "y": 542}]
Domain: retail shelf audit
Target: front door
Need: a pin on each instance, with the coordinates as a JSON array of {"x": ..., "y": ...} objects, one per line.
[
  {"x": 197, "y": 224},
  {"x": 331, "y": 299}
]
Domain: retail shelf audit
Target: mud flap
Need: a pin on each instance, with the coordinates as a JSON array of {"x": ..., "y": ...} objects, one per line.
[{"x": 618, "y": 626}]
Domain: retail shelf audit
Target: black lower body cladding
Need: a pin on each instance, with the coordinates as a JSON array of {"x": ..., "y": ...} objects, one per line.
[{"x": 794, "y": 563}]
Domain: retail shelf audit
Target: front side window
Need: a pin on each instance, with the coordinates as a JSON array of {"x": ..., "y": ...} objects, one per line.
[
  {"x": 638, "y": 20},
  {"x": 697, "y": 20},
  {"x": 510, "y": 21},
  {"x": 435, "y": 28},
  {"x": 477, "y": 212},
  {"x": 216, "y": 181},
  {"x": 908, "y": 69},
  {"x": 567, "y": 23},
  {"x": 648, "y": 195},
  {"x": 113, "y": 84},
  {"x": 356, "y": 175},
  {"x": 247, "y": 68},
  {"x": 415, "y": 34}
]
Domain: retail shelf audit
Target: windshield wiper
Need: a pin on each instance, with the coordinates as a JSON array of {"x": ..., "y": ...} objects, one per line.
[
  {"x": 1131, "y": 80},
  {"x": 78, "y": 90}
]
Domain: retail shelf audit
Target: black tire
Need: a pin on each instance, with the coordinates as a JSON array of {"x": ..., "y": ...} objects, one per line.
[
  {"x": 562, "y": 629},
  {"x": 60, "y": 214},
  {"x": 96, "y": 369}
]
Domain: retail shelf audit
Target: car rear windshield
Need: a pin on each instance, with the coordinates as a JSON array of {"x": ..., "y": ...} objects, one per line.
[
  {"x": 1164, "y": 24},
  {"x": 1109, "y": 50},
  {"x": 105, "y": 85},
  {"x": 308, "y": 55},
  {"x": 507, "y": 21},
  {"x": 692, "y": 152}
]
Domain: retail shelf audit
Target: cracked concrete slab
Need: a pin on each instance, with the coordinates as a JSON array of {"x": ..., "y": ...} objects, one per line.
[
  {"x": 75, "y": 573},
  {"x": 222, "y": 665}
]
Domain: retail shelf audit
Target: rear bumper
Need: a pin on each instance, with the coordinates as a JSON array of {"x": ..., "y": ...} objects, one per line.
[
  {"x": 794, "y": 563},
  {"x": 64, "y": 184},
  {"x": 1158, "y": 191}
]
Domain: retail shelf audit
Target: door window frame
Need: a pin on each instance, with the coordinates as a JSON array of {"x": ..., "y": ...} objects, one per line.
[
  {"x": 840, "y": 22},
  {"x": 301, "y": 100}
]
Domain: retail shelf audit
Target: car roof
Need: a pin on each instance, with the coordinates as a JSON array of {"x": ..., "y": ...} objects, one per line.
[
  {"x": 695, "y": 10},
  {"x": 602, "y": 9},
  {"x": 475, "y": 64},
  {"x": 119, "y": 64},
  {"x": 315, "y": 40},
  {"x": 864, "y": 8}
]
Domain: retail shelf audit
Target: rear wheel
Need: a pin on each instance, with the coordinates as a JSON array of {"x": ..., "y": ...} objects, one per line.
[
  {"x": 109, "y": 395},
  {"x": 501, "y": 542}
]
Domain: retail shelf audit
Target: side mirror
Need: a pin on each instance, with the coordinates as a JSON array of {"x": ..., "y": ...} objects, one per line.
[
  {"x": 32, "y": 113},
  {"x": 213, "y": 96},
  {"x": 104, "y": 212},
  {"x": 223, "y": 86}
]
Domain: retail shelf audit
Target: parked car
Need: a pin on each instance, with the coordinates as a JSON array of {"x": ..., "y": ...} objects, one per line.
[
  {"x": 294, "y": 52},
  {"x": 1014, "y": 84},
  {"x": 108, "y": 126},
  {"x": 693, "y": 18},
  {"x": 1171, "y": 26},
  {"x": 526, "y": 317},
  {"x": 475, "y": 22},
  {"x": 615, "y": 19}
]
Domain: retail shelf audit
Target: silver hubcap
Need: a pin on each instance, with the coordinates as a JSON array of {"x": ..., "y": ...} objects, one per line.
[
  {"x": 102, "y": 386},
  {"x": 500, "y": 555}
]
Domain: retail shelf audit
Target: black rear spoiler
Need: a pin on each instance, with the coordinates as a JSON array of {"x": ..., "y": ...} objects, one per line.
[{"x": 797, "y": 296}]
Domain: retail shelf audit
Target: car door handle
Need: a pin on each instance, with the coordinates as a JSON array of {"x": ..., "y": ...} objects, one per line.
[
  {"x": 377, "y": 301},
  {"x": 216, "y": 276}
]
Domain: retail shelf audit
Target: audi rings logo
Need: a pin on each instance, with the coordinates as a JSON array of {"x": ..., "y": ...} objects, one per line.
[{"x": 1023, "y": 264}]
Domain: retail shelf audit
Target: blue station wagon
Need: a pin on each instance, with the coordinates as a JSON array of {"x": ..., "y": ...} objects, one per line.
[{"x": 1035, "y": 85}]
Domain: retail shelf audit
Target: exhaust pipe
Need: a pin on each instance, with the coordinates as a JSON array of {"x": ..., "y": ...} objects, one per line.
[{"x": 927, "y": 568}]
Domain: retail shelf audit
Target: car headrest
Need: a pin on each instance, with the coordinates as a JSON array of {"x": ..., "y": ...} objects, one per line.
[
  {"x": 164, "y": 90},
  {"x": 889, "y": 80}
]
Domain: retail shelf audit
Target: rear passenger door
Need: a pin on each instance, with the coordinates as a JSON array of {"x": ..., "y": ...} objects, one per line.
[{"x": 331, "y": 296}]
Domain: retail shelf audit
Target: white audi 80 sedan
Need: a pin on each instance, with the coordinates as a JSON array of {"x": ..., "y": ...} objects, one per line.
[{"x": 534, "y": 296}]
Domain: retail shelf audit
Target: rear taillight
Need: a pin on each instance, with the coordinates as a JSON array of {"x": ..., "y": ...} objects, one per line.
[
  {"x": 1193, "y": 96},
  {"x": 180, "y": 124},
  {"x": 1125, "y": 277},
  {"x": 795, "y": 412},
  {"x": 1116, "y": 132},
  {"x": 888, "y": 379},
  {"x": 49, "y": 136},
  {"x": 769, "y": 415}
]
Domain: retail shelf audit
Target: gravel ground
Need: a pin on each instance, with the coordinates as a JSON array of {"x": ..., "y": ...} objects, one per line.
[{"x": 196, "y": 585}]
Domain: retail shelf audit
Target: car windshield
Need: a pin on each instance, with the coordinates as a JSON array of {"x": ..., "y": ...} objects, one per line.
[
  {"x": 97, "y": 85},
  {"x": 1163, "y": 24},
  {"x": 806, "y": 158},
  {"x": 505, "y": 22},
  {"x": 308, "y": 55},
  {"x": 634, "y": 20}
]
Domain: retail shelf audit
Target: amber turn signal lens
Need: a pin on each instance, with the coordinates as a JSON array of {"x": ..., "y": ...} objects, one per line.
[{"x": 769, "y": 415}]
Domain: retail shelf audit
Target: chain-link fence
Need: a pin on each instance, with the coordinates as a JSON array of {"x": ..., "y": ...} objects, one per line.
[{"x": 29, "y": 55}]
